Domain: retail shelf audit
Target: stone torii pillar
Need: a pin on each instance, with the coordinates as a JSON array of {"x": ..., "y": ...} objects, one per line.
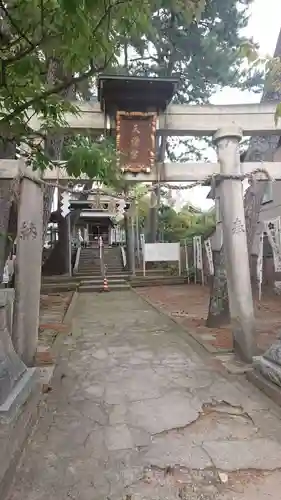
[
  {"x": 235, "y": 243},
  {"x": 28, "y": 271}
]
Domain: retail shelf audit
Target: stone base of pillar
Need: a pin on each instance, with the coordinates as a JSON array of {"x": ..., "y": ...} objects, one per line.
[
  {"x": 269, "y": 365},
  {"x": 18, "y": 416},
  {"x": 271, "y": 390},
  {"x": 19, "y": 397},
  {"x": 11, "y": 366},
  {"x": 19, "y": 394}
]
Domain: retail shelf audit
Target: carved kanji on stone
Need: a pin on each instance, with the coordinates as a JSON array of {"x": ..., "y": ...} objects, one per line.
[
  {"x": 28, "y": 230},
  {"x": 238, "y": 226}
]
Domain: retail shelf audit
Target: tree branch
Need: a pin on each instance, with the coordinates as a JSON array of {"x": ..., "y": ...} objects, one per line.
[
  {"x": 66, "y": 83},
  {"x": 14, "y": 24},
  {"x": 56, "y": 89}
]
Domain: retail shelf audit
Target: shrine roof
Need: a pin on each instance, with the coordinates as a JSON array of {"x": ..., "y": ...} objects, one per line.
[{"x": 135, "y": 93}]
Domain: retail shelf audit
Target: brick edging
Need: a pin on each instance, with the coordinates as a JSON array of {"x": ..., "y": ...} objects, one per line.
[{"x": 67, "y": 319}]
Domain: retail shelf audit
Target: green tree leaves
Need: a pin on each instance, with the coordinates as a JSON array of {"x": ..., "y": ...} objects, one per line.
[
  {"x": 176, "y": 226},
  {"x": 96, "y": 159},
  {"x": 49, "y": 47}
]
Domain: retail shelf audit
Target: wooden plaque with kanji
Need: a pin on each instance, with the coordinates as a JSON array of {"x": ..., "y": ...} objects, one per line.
[{"x": 135, "y": 141}]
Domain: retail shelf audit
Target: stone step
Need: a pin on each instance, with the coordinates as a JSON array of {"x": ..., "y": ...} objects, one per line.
[
  {"x": 55, "y": 278},
  {"x": 111, "y": 277},
  {"x": 95, "y": 263},
  {"x": 97, "y": 266},
  {"x": 77, "y": 278},
  {"x": 99, "y": 281},
  {"x": 162, "y": 272},
  {"x": 139, "y": 281},
  {"x": 98, "y": 288},
  {"x": 90, "y": 263},
  {"x": 98, "y": 275},
  {"x": 139, "y": 272},
  {"x": 93, "y": 269},
  {"x": 68, "y": 286},
  {"x": 91, "y": 272},
  {"x": 92, "y": 285},
  {"x": 95, "y": 272}
]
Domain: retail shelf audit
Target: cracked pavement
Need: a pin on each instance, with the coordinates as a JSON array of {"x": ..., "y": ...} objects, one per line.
[{"x": 135, "y": 413}]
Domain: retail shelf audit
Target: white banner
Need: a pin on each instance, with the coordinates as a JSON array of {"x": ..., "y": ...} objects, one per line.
[
  {"x": 86, "y": 235},
  {"x": 194, "y": 252},
  {"x": 209, "y": 253},
  {"x": 117, "y": 235},
  {"x": 260, "y": 264},
  {"x": 198, "y": 252},
  {"x": 198, "y": 257},
  {"x": 186, "y": 260},
  {"x": 142, "y": 242},
  {"x": 273, "y": 231}
]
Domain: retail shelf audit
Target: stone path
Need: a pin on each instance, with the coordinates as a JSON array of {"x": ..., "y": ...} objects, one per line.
[{"x": 136, "y": 414}]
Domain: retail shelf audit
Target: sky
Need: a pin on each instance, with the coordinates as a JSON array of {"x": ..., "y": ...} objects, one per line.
[{"x": 264, "y": 26}]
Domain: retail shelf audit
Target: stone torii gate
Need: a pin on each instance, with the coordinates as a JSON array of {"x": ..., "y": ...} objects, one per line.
[{"x": 226, "y": 124}]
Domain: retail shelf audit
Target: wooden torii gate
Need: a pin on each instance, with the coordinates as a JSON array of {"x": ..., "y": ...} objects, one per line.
[{"x": 226, "y": 124}]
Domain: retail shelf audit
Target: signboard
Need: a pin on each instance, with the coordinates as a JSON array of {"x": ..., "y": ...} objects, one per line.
[
  {"x": 161, "y": 252},
  {"x": 135, "y": 141}
]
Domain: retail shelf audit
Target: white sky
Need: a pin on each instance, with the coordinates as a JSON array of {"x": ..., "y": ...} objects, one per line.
[{"x": 264, "y": 26}]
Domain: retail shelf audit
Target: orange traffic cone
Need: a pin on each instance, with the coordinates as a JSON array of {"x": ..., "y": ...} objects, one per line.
[{"x": 105, "y": 285}]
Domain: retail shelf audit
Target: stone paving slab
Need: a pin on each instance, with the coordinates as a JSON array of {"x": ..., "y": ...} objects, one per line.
[
  {"x": 231, "y": 455},
  {"x": 135, "y": 413}
]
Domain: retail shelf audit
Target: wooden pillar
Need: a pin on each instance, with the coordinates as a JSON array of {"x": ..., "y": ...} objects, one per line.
[
  {"x": 235, "y": 243},
  {"x": 137, "y": 234},
  {"x": 69, "y": 245},
  {"x": 28, "y": 271},
  {"x": 132, "y": 245},
  {"x": 153, "y": 215}
]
